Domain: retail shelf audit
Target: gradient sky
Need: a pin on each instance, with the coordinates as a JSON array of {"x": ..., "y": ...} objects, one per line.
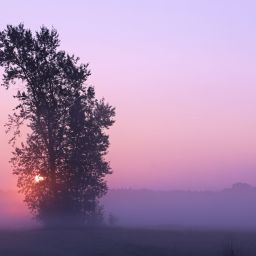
[{"x": 181, "y": 75}]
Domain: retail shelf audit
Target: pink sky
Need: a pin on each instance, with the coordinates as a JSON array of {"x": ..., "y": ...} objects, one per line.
[{"x": 181, "y": 75}]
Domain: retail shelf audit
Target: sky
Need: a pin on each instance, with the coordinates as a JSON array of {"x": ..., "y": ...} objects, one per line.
[{"x": 181, "y": 75}]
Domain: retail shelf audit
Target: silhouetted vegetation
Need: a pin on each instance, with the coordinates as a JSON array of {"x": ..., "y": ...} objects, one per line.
[{"x": 61, "y": 166}]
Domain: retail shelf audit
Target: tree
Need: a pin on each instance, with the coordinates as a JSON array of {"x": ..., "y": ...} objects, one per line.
[{"x": 61, "y": 166}]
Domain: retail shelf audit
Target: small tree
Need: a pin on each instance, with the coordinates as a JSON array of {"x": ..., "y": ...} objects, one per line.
[{"x": 61, "y": 167}]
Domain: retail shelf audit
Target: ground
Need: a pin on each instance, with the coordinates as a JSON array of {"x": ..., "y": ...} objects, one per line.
[{"x": 126, "y": 242}]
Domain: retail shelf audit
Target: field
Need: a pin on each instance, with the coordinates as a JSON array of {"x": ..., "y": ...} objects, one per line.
[{"x": 126, "y": 242}]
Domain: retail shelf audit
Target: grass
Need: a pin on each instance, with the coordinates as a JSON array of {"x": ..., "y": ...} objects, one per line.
[{"x": 126, "y": 242}]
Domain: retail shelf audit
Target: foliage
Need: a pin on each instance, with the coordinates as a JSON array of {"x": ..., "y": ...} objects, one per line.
[{"x": 67, "y": 141}]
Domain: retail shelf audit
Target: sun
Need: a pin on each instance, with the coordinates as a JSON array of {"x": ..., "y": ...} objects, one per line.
[{"x": 38, "y": 178}]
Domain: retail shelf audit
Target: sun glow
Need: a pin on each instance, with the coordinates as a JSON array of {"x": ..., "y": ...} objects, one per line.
[{"x": 38, "y": 178}]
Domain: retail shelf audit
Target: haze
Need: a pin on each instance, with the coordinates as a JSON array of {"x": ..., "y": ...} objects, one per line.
[
  {"x": 231, "y": 208},
  {"x": 181, "y": 75}
]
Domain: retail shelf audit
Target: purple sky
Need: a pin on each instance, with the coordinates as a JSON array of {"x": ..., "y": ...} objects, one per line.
[{"x": 181, "y": 75}]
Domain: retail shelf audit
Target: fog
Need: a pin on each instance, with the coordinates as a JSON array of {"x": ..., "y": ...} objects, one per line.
[
  {"x": 229, "y": 208},
  {"x": 13, "y": 212}
]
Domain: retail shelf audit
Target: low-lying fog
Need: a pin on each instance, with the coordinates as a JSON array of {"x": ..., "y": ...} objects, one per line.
[
  {"x": 230, "y": 208},
  {"x": 13, "y": 212}
]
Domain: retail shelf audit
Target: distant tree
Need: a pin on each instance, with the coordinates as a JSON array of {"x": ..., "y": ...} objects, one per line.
[
  {"x": 61, "y": 166},
  {"x": 112, "y": 219}
]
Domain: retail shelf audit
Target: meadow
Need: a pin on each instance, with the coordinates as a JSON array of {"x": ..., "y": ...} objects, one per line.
[{"x": 127, "y": 242}]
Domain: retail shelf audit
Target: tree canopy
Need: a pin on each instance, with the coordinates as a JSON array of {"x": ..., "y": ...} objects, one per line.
[{"x": 61, "y": 166}]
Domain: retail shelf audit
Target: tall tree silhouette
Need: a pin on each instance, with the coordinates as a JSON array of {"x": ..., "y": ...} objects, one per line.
[{"x": 61, "y": 166}]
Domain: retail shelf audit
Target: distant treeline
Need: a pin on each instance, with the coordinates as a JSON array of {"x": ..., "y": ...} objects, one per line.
[{"x": 229, "y": 208}]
